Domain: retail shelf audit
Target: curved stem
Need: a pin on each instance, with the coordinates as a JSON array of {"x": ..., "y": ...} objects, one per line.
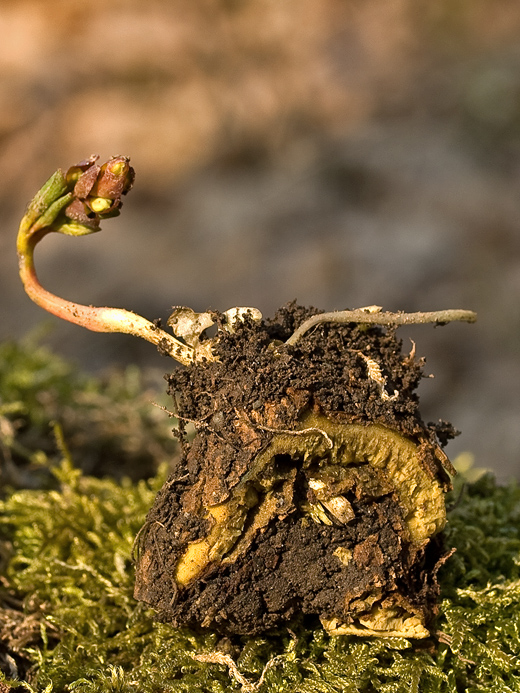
[
  {"x": 363, "y": 316},
  {"x": 102, "y": 319}
]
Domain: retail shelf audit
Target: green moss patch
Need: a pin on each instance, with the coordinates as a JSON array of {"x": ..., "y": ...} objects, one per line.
[{"x": 108, "y": 423}]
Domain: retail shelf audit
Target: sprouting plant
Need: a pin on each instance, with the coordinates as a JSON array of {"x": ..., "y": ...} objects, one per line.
[{"x": 75, "y": 202}]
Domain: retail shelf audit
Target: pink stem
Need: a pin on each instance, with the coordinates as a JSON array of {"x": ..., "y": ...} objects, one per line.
[{"x": 93, "y": 318}]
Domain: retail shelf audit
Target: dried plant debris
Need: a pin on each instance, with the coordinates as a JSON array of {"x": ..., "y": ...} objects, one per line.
[{"x": 311, "y": 486}]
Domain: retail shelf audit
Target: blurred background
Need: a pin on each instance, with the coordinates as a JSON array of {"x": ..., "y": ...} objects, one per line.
[{"x": 338, "y": 152}]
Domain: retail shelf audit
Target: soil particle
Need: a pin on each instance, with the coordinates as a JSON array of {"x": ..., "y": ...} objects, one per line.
[{"x": 242, "y": 549}]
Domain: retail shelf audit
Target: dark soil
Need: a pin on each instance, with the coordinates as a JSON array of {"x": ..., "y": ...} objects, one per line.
[{"x": 288, "y": 565}]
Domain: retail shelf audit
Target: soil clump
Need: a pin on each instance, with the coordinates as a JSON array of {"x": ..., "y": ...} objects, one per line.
[{"x": 311, "y": 485}]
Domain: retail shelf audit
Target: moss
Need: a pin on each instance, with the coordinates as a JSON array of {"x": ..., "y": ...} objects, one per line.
[
  {"x": 68, "y": 620},
  {"x": 108, "y": 423}
]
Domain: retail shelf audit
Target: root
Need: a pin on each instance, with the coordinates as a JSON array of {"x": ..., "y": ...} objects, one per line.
[{"x": 368, "y": 316}]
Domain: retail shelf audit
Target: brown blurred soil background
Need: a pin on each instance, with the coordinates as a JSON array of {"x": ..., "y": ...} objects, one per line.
[{"x": 339, "y": 152}]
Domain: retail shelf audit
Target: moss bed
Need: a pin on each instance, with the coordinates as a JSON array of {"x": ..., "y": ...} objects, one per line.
[{"x": 72, "y": 502}]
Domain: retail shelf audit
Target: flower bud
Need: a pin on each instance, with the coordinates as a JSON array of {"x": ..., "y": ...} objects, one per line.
[
  {"x": 115, "y": 178},
  {"x": 97, "y": 191},
  {"x": 74, "y": 172},
  {"x": 100, "y": 204},
  {"x": 86, "y": 182}
]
